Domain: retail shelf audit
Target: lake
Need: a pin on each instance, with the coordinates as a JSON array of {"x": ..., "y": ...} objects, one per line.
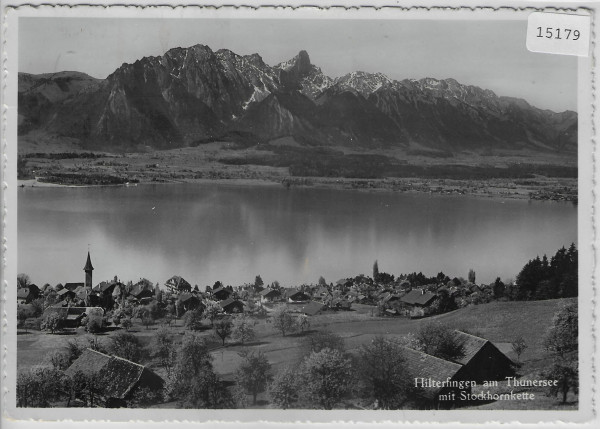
[{"x": 210, "y": 232}]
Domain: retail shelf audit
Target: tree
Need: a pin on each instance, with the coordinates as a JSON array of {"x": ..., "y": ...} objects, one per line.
[
  {"x": 562, "y": 337},
  {"x": 562, "y": 343},
  {"x": 498, "y": 288},
  {"x": 327, "y": 377},
  {"x": 471, "y": 276},
  {"x": 52, "y": 322},
  {"x": 519, "y": 345},
  {"x": 127, "y": 346},
  {"x": 283, "y": 321},
  {"x": 192, "y": 319},
  {"x": 258, "y": 283},
  {"x": 212, "y": 311},
  {"x": 22, "y": 316},
  {"x": 302, "y": 322},
  {"x": 163, "y": 350},
  {"x": 243, "y": 329},
  {"x": 23, "y": 280},
  {"x": 39, "y": 386},
  {"x": 94, "y": 324},
  {"x": 127, "y": 324},
  {"x": 223, "y": 329},
  {"x": 322, "y": 281},
  {"x": 375, "y": 271},
  {"x": 195, "y": 383},
  {"x": 567, "y": 377},
  {"x": 58, "y": 359},
  {"x": 384, "y": 370},
  {"x": 253, "y": 373},
  {"x": 441, "y": 341},
  {"x": 283, "y": 390}
]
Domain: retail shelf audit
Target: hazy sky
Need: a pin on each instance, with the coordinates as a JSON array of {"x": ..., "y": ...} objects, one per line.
[{"x": 489, "y": 54}]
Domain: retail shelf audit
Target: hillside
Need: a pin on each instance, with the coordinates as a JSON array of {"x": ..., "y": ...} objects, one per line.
[{"x": 191, "y": 95}]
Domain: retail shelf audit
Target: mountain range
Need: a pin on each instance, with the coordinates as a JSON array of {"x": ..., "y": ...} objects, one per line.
[{"x": 192, "y": 95}]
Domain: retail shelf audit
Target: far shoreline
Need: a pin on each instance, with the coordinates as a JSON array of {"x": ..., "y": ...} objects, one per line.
[{"x": 495, "y": 188}]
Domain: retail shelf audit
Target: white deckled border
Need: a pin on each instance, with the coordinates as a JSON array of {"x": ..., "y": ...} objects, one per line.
[{"x": 293, "y": 9}]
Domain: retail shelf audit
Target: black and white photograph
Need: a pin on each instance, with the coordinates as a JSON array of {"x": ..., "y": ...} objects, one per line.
[{"x": 274, "y": 213}]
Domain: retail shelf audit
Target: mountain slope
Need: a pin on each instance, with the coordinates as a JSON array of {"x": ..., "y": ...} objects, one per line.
[{"x": 191, "y": 94}]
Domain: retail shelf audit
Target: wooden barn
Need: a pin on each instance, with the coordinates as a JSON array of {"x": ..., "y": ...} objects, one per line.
[
  {"x": 423, "y": 369},
  {"x": 269, "y": 295},
  {"x": 483, "y": 360},
  {"x": 117, "y": 379},
  {"x": 416, "y": 302},
  {"x": 231, "y": 306},
  {"x": 188, "y": 301},
  {"x": 312, "y": 308},
  {"x": 295, "y": 295},
  {"x": 221, "y": 293}
]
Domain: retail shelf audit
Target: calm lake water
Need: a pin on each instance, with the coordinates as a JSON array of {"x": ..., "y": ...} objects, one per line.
[{"x": 230, "y": 233}]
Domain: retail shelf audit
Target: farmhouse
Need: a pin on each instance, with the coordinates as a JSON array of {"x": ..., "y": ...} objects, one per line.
[
  {"x": 188, "y": 301},
  {"x": 295, "y": 295},
  {"x": 269, "y": 295},
  {"x": 231, "y": 305},
  {"x": 72, "y": 286},
  {"x": 417, "y": 302},
  {"x": 27, "y": 294},
  {"x": 483, "y": 360},
  {"x": 221, "y": 293},
  {"x": 66, "y": 295},
  {"x": 71, "y": 316},
  {"x": 178, "y": 284},
  {"x": 117, "y": 379}
]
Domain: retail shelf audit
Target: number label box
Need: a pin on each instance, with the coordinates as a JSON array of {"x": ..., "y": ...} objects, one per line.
[{"x": 558, "y": 33}]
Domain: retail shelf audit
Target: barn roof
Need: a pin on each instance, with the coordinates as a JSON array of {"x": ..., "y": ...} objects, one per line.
[
  {"x": 65, "y": 291},
  {"x": 473, "y": 344},
  {"x": 227, "y": 302},
  {"x": 178, "y": 283},
  {"x": 73, "y": 286},
  {"x": 186, "y": 296},
  {"x": 312, "y": 308},
  {"x": 117, "y": 376},
  {"x": 418, "y": 296},
  {"x": 422, "y": 365},
  {"x": 90, "y": 362}
]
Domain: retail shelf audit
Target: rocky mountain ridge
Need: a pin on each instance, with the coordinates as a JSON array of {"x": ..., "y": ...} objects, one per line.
[{"x": 194, "y": 94}]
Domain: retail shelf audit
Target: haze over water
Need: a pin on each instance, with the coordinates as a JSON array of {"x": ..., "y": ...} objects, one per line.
[{"x": 230, "y": 233}]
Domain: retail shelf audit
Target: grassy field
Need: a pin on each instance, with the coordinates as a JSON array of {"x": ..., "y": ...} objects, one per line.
[{"x": 499, "y": 322}]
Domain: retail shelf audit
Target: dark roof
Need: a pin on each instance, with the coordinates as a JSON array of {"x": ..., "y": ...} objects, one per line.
[
  {"x": 65, "y": 291},
  {"x": 221, "y": 289},
  {"x": 104, "y": 286},
  {"x": 227, "y": 302},
  {"x": 73, "y": 286},
  {"x": 90, "y": 362},
  {"x": 473, "y": 345},
  {"x": 88, "y": 264},
  {"x": 140, "y": 288},
  {"x": 186, "y": 296},
  {"x": 312, "y": 308},
  {"x": 418, "y": 296},
  {"x": 178, "y": 283},
  {"x": 422, "y": 365},
  {"x": 291, "y": 292},
  {"x": 117, "y": 376}
]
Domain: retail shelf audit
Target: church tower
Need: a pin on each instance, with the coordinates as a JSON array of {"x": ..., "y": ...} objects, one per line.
[{"x": 88, "y": 272}]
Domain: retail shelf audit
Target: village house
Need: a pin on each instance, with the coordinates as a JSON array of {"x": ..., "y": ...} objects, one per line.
[
  {"x": 269, "y": 295},
  {"x": 187, "y": 301},
  {"x": 66, "y": 295},
  {"x": 72, "y": 286},
  {"x": 416, "y": 303},
  {"x": 27, "y": 294},
  {"x": 178, "y": 284},
  {"x": 221, "y": 293},
  {"x": 295, "y": 295},
  {"x": 231, "y": 306},
  {"x": 71, "y": 316},
  {"x": 117, "y": 379}
]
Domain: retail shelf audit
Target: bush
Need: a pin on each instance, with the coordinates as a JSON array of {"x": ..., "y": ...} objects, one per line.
[
  {"x": 192, "y": 319},
  {"x": 327, "y": 377},
  {"x": 94, "y": 324}
]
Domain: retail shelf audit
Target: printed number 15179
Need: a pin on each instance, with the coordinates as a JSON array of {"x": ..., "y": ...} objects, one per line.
[{"x": 558, "y": 33}]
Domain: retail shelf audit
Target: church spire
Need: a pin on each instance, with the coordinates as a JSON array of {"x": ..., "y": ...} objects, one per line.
[
  {"x": 88, "y": 264},
  {"x": 88, "y": 271}
]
